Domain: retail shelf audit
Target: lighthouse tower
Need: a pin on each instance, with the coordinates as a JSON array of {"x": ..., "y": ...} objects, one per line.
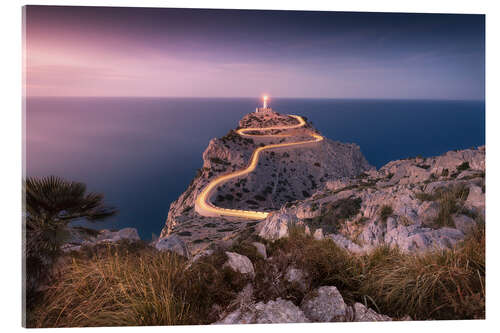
[{"x": 265, "y": 106}]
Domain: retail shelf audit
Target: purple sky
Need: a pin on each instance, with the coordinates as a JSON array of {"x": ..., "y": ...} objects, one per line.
[{"x": 99, "y": 51}]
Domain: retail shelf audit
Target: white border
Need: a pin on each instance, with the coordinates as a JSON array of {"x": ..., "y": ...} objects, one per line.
[{"x": 11, "y": 164}]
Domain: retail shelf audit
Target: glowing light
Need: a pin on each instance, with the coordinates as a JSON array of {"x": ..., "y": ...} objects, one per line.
[{"x": 204, "y": 207}]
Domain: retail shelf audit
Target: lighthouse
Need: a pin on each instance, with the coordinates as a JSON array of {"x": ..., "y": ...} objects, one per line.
[{"x": 265, "y": 106}]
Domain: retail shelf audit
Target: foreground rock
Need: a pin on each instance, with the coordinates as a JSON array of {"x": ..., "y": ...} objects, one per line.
[
  {"x": 173, "y": 243},
  {"x": 359, "y": 313},
  {"x": 324, "y": 305},
  {"x": 239, "y": 263},
  {"x": 80, "y": 236},
  {"x": 272, "y": 312}
]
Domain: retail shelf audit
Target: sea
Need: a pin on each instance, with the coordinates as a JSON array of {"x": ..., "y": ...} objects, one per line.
[{"x": 141, "y": 153}]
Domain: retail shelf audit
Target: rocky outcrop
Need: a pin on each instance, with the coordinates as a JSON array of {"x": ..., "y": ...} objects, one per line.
[
  {"x": 359, "y": 312},
  {"x": 415, "y": 204},
  {"x": 324, "y": 305},
  {"x": 276, "y": 225},
  {"x": 272, "y": 312},
  {"x": 283, "y": 175},
  {"x": 173, "y": 243},
  {"x": 87, "y": 237}
]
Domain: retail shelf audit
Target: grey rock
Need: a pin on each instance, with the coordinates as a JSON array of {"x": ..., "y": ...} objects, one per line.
[
  {"x": 125, "y": 233},
  {"x": 173, "y": 243},
  {"x": 324, "y": 305},
  {"x": 276, "y": 225},
  {"x": 362, "y": 313},
  {"x": 428, "y": 211},
  {"x": 239, "y": 263},
  {"x": 261, "y": 249},
  {"x": 476, "y": 197},
  {"x": 272, "y": 312},
  {"x": 464, "y": 223}
]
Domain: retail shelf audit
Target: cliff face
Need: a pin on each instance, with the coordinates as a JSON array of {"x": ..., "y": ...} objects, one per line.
[{"x": 282, "y": 175}]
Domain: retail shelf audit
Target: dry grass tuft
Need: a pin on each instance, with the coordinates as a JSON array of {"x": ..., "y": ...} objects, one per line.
[{"x": 130, "y": 285}]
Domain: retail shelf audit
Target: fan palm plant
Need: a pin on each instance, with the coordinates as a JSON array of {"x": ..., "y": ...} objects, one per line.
[{"x": 52, "y": 203}]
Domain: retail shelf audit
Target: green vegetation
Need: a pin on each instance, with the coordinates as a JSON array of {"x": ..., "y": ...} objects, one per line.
[{"x": 52, "y": 203}]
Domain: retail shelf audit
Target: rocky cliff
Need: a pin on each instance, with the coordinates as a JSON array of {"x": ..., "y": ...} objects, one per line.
[
  {"x": 415, "y": 204},
  {"x": 282, "y": 175},
  {"x": 329, "y": 188}
]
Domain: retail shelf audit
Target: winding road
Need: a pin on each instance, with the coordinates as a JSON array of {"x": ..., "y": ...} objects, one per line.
[{"x": 204, "y": 207}]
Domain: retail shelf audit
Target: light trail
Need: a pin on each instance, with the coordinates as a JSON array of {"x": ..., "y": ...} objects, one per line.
[{"x": 204, "y": 207}]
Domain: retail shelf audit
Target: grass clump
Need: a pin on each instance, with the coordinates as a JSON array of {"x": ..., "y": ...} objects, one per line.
[
  {"x": 450, "y": 201},
  {"x": 446, "y": 284},
  {"x": 112, "y": 290},
  {"x": 136, "y": 285},
  {"x": 133, "y": 284}
]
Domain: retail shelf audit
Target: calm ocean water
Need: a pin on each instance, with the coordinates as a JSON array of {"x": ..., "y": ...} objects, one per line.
[{"x": 141, "y": 153}]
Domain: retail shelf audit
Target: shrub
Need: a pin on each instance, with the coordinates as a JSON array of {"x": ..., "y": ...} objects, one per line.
[
  {"x": 464, "y": 166},
  {"x": 334, "y": 213},
  {"x": 115, "y": 290},
  {"x": 385, "y": 212}
]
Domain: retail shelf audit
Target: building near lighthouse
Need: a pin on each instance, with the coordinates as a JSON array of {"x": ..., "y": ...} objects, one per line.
[{"x": 265, "y": 105}]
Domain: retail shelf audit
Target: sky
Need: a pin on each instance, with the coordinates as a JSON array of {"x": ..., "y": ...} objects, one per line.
[{"x": 160, "y": 52}]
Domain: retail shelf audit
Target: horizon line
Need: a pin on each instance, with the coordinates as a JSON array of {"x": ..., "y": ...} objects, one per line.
[{"x": 276, "y": 97}]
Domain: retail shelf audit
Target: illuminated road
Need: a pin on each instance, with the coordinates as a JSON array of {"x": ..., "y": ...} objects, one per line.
[{"x": 204, "y": 207}]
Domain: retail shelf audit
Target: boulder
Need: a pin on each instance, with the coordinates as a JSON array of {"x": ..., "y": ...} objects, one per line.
[
  {"x": 272, "y": 312},
  {"x": 261, "y": 249},
  {"x": 172, "y": 243},
  {"x": 276, "y": 225},
  {"x": 464, "y": 223},
  {"x": 324, "y": 305},
  {"x": 428, "y": 211},
  {"x": 476, "y": 197},
  {"x": 362, "y": 313},
  {"x": 239, "y": 263}
]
